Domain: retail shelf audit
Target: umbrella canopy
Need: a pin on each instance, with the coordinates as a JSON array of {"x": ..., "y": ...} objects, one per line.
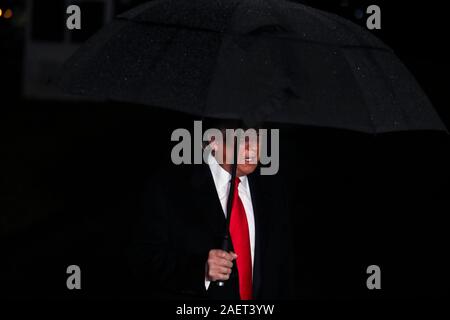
[{"x": 256, "y": 60}]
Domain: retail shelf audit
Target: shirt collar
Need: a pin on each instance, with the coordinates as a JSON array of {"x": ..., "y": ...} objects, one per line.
[{"x": 222, "y": 177}]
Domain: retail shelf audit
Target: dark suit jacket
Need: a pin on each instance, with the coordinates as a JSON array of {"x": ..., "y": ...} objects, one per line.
[{"x": 182, "y": 220}]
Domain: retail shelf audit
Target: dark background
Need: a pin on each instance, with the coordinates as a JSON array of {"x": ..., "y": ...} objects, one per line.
[{"x": 72, "y": 173}]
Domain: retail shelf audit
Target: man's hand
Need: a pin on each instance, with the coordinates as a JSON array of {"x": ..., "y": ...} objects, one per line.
[{"x": 219, "y": 264}]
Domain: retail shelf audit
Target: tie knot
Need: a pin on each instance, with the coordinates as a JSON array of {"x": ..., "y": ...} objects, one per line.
[{"x": 237, "y": 181}]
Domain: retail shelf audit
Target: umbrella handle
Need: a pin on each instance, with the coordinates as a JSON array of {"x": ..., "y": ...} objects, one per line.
[
  {"x": 221, "y": 283},
  {"x": 225, "y": 243}
]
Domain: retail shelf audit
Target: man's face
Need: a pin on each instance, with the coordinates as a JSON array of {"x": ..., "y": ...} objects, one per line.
[{"x": 248, "y": 153}]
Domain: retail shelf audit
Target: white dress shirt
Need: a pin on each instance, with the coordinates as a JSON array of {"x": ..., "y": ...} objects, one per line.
[{"x": 222, "y": 182}]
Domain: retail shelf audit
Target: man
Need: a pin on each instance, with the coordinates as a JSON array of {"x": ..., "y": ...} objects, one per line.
[{"x": 177, "y": 247}]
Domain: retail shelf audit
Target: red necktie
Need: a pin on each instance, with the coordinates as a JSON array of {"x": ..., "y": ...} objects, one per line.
[{"x": 240, "y": 238}]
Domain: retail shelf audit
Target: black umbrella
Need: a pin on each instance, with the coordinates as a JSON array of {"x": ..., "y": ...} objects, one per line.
[{"x": 255, "y": 60}]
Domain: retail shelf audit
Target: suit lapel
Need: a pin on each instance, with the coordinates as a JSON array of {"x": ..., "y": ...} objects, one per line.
[
  {"x": 260, "y": 224},
  {"x": 207, "y": 201}
]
